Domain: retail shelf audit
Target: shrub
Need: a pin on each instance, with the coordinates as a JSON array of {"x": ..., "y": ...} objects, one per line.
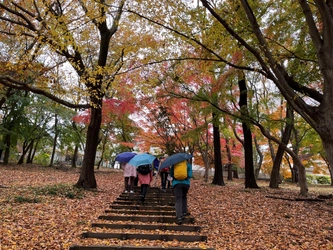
[
  {"x": 22, "y": 199},
  {"x": 318, "y": 179},
  {"x": 63, "y": 190},
  {"x": 322, "y": 179}
]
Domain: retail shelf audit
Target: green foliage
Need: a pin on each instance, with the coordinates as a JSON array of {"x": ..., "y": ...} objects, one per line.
[
  {"x": 318, "y": 179},
  {"x": 23, "y": 199},
  {"x": 42, "y": 159},
  {"x": 63, "y": 190}
]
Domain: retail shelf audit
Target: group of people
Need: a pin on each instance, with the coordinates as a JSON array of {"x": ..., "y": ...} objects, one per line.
[{"x": 168, "y": 180}]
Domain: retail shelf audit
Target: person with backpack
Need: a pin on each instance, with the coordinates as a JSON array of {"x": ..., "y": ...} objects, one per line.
[
  {"x": 164, "y": 172},
  {"x": 145, "y": 177},
  {"x": 181, "y": 174}
]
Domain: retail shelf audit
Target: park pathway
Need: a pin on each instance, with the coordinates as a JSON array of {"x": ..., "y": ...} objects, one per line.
[{"x": 154, "y": 220}]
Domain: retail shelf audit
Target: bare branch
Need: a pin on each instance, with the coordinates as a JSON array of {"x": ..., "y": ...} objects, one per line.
[{"x": 12, "y": 83}]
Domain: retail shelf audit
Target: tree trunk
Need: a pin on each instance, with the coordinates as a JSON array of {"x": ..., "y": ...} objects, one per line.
[
  {"x": 328, "y": 147},
  {"x": 7, "y": 149},
  {"x": 259, "y": 155},
  {"x": 206, "y": 162},
  {"x": 302, "y": 180},
  {"x": 229, "y": 164},
  {"x": 26, "y": 146},
  {"x": 74, "y": 158},
  {"x": 54, "y": 140},
  {"x": 34, "y": 151},
  {"x": 87, "y": 176},
  {"x": 218, "y": 174},
  {"x": 295, "y": 174},
  {"x": 104, "y": 140},
  {"x": 250, "y": 180},
  {"x": 275, "y": 174}
]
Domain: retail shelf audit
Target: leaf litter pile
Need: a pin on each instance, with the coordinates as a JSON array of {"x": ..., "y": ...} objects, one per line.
[{"x": 40, "y": 209}]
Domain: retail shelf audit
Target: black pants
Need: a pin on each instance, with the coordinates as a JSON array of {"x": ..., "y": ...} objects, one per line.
[
  {"x": 144, "y": 188},
  {"x": 181, "y": 191},
  {"x": 136, "y": 180},
  {"x": 164, "y": 180},
  {"x": 164, "y": 176}
]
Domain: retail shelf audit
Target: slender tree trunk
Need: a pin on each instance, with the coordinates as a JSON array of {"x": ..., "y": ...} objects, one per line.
[
  {"x": 260, "y": 156},
  {"x": 103, "y": 150},
  {"x": 25, "y": 148},
  {"x": 271, "y": 150},
  {"x": 7, "y": 149},
  {"x": 34, "y": 151},
  {"x": 87, "y": 177},
  {"x": 206, "y": 162},
  {"x": 54, "y": 140},
  {"x": 275, "y": 174},
  {"x": 229, "y": 164},
  {"x": 218, "y": 174},
  {"x": 75, "y": 155},
  {"x": 250, "y": 180}
]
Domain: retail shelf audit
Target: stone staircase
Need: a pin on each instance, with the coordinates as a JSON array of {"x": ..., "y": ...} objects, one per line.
[{"x": 155, "y": 219}]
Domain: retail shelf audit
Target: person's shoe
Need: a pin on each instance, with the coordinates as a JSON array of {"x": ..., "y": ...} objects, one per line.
[
  {"x": 132, "y": 192},
  {"x": 125, "y": 191},
  {"x": 163, "y": 190},
  {"x": 180, "y": 220},
  {"x": 186, "y": 214}
]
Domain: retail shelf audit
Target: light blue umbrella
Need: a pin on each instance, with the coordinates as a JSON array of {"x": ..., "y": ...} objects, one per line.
[
  {"x": 174, "y": 159},
  {"x": 142, "y": 159}
]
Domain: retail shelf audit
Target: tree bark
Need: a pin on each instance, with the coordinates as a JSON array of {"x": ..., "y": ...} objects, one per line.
[
  {"x": 275, "y": 174},
  {"x": 260, "y": 155},
  {"x": 7, "y": 149},
  {"x": 229, "y": 164},
  {"x": 74, "y": 158},
  {"x": 87, "y": 176},
  {"x": 54, "y": 139},
  {"x": 218, "y": 174},
  {"x": 250, "y": 180}
]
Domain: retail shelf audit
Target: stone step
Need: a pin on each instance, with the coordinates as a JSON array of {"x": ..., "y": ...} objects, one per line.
[
  {"x": 162, "y": 237},
  {"x": 151, "y": 199},
  {"x": 151, "y": 203},
  {"x": 142, "y": 207},
  {"x": 161, "y": 219},
  {"x": 142, "y": 212},
  {"x": 185, "y": 228},
  {"x": 76, "y": 247},
  {"x": 150, "y": 195}
]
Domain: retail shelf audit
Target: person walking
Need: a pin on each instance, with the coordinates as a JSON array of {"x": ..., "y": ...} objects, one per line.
[
  {"x": 145, "y": 179},
  {"x": 181, "y": 188},
  {"x": 164, "y": 172},
  {"x": 129, "y": 176}
]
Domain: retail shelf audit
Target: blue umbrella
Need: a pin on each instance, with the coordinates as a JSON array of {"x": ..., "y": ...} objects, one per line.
[
  {"x": 125, "y": 157},
  {"x": 174, "y": 159},
  {"x": 142, "y": 159},
  {"x": 156, "y": 163}
]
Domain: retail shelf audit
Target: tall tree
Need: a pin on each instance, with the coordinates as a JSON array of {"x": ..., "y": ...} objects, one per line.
[
  {"x": 250, "y": 180},
  {"x": 278, "y": 53},
  {"x": 71, "y": 30},
  {"x": 275, "y": 174}
]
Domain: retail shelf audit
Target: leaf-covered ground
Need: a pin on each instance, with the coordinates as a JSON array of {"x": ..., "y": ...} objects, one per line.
[{"x": 39, "y": 209}]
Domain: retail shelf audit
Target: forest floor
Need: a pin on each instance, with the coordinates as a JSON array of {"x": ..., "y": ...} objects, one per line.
[{"x": 40, "y": 209}]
